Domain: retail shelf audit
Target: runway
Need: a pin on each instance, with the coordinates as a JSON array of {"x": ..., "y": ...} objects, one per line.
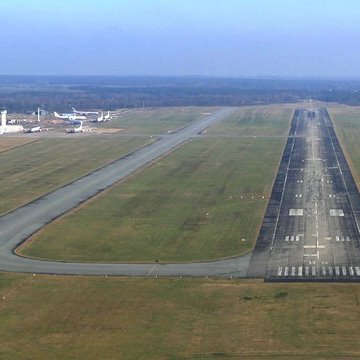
[{"x": 311, "y": 228}]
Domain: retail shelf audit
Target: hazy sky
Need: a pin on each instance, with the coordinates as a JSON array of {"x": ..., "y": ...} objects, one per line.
[{"x": 181, "y": 37}]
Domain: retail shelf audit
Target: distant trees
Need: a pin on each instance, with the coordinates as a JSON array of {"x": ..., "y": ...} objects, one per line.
[{"x": 24, "y": 94}]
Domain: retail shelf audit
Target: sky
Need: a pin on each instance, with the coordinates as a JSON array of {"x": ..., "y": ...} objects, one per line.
[{"x": 231, "y": 38}]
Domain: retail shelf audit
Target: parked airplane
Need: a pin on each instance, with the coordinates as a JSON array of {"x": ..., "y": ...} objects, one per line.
[
  {"x": 107, "y": 117},
  {"x": 85, "y": 112},
  {"x": 76, "y": 130},
  {"x": 33, "y": 129},
  {"x": 102, "y": 118},
  {"x": 71, "y": 116}
]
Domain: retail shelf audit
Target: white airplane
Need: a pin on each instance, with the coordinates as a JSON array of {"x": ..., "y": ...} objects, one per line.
[
  {"x": 107, "y": 117},
  {"x": 85, "y": 112},
  {"x": 76, "y": 130},
  {"x": 70, "y": 117},
  {"x": 103, "y": 118},
  {"x": 33, "y": 129}
]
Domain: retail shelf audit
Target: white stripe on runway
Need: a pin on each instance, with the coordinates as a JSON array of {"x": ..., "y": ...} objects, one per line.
[
  {"x": 323, "y": 271},
  {"x": 351, "y": 271},
  {"x": 357, "y": 270},
  {"x": 293, "y": 270},
  {"x": 300, "y": 271},
  {"x": 337, "y": 271},
  {"x": 331, "y": 272},
  {"x": 306, "y": 271},
  {"x": 313, "y": 271},
  {"x": 344, "y": 272},
  {"x": 286, "y": 271}
]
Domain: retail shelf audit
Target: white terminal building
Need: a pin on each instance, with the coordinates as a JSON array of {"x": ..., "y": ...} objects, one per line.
[{"x": 5, "y": 129}]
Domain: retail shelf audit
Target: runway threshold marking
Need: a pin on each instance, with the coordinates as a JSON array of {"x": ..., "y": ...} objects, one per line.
[
  {"x": 351, "y": 271},
  {"x": 312, "y": 271}
]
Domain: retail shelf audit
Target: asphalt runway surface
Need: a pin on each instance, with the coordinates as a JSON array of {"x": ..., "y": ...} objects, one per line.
[
  {"x": 310, "y": 231},
  {"x": 20, "y": 224}
]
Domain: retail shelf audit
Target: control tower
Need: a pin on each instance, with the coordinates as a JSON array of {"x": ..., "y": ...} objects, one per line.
[
  {"x": 3, "y": 118},
  {"x": 4, "y": 128}
]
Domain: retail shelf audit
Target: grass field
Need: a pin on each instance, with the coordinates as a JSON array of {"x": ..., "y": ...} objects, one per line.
[
  {"x": 10, "y": 142},
  {"x": 347, "y": 124},
  {"x": 256, "y": 121},
  {"x": 39, "y": 167},
  {"x": 153, "y": 121},
  {"x": 200, "y": 202},
  {"x": 46, "y": 317}
]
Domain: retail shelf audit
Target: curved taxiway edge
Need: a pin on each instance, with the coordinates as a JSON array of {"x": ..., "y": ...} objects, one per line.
[{"x": 20, "y": 224}]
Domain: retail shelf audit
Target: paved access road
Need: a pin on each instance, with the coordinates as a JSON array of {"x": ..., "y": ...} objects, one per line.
[
  {"x": 18, "y": 225},
  {"x": 311, "y": 227}
]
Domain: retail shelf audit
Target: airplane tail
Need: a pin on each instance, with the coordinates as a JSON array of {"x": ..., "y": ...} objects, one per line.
[{"x": 56, "y": 114}]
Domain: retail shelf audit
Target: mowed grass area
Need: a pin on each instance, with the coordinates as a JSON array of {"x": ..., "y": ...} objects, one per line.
[
  {"x": 153, "y": 121},
  {"x": 273, "y": 120},
  {"x": 7, "y": 143},
  {"x": 32, "y": 170},
  {"x": 204, "y": 201},
  {"x": 46, "y": 317},
  {"x": 347, "y": 124}
]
